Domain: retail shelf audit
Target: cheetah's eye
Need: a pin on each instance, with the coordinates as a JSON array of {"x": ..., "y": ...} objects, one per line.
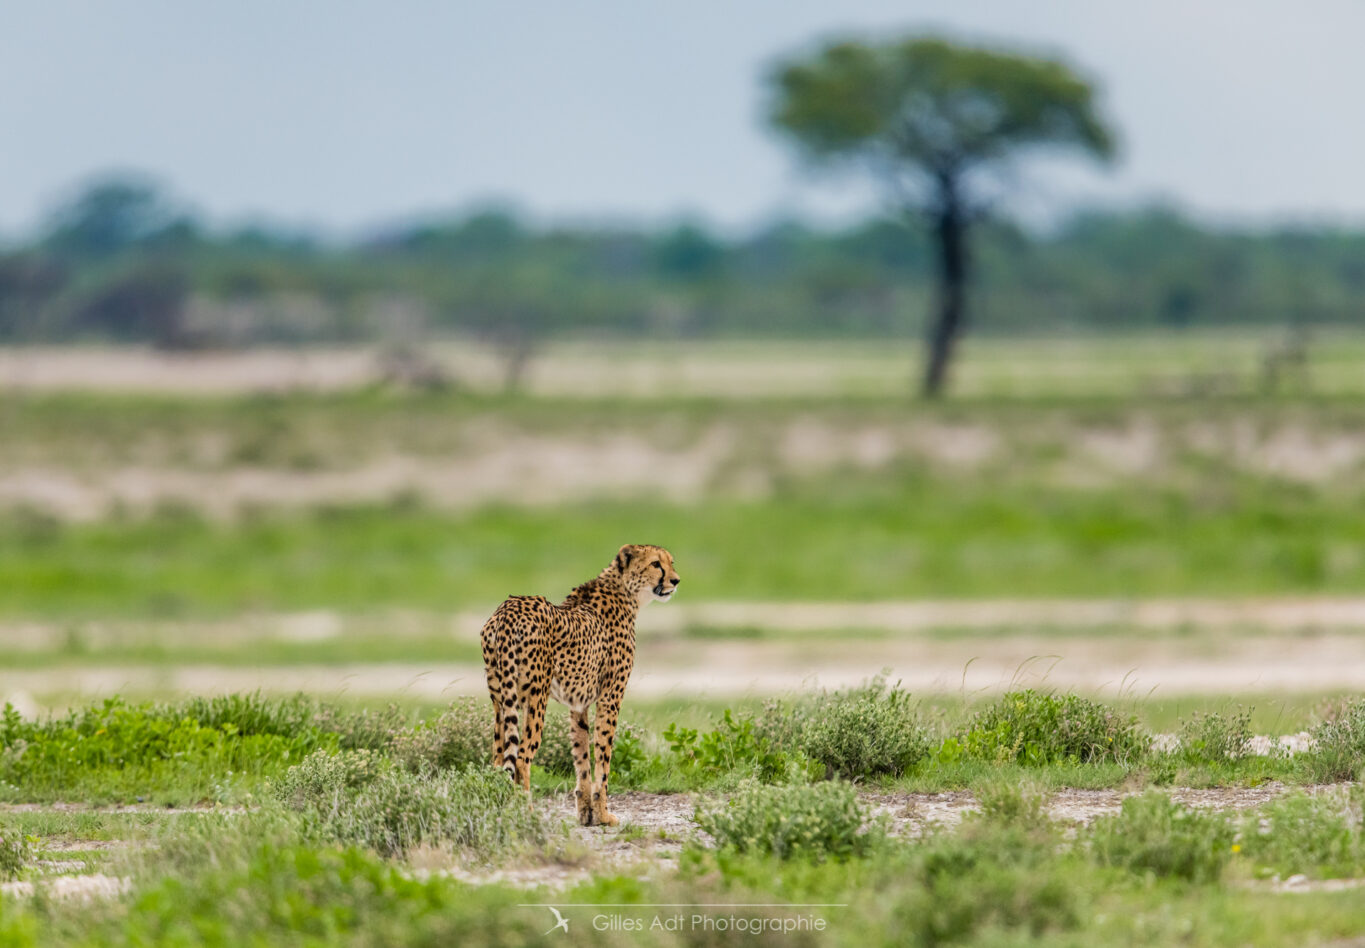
[{"x": 655, "y": 563}]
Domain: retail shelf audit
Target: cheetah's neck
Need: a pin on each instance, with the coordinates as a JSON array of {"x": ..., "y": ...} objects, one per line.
[{"x": 605, "y": 596}]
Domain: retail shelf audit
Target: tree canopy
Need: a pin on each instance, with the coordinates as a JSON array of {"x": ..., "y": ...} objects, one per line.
[{"x": 929, "y": 107}]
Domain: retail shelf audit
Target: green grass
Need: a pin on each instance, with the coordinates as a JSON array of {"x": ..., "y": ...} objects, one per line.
[
  {"x": 891, "y": 539},
  {"x": 1161, "y": 874},
  {"x": 371, "y": 648},
  {"x": 226, "y": 750},
  {"x": 1039, "y": 518},
  {"x": 337, "y": 821}
]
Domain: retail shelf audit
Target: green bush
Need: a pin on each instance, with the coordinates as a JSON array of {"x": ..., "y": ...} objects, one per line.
[
  {"x": 861, "y": 732},
  {"x": 1339, "y": 753},
  {"x": 355, "y": 797},
  {"x": 1213, "y": 738},
  {"x": 462, "y": 735},
  {"x": 1152, "y": 833},
  {"x": 1314, "y": 835},
  {"x": 734, "y": 749},
  {"x": 291, "y": 715},
  {"x": 993, "y": 873},
  {"x": 1037, "y": 728},
  {"x": 816, "y": 821},
  {"x": 865, "y": 732},
  {"x": 325, "y": 781},
  {"x": 118, "y": 749},
  {"x": 285, "y": 892},
  {"x": 782, "y": 722}
]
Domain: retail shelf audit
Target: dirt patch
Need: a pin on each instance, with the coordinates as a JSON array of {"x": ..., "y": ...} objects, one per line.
[
  {"x": 566, "y": 469},
  {"x": 666, "y": 821},
  {"x": 671, "y": 814},
  {"x": 60, "y": 807},
  {"x": 84, "y": 845},
  {"x": 1105, "y": 647},
  {"x": 83, "y": 888}
]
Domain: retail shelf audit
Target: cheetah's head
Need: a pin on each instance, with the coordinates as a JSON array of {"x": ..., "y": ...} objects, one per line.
[{"x": 647, "y": 571}]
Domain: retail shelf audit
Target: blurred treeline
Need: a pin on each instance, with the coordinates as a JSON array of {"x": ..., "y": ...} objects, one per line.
[{"x": 122, "y": 261}]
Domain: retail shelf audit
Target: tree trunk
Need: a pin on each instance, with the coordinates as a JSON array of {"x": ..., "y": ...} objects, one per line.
[
  {"x": 517, "y": 351},
  {"x": 950, "y": 232}
]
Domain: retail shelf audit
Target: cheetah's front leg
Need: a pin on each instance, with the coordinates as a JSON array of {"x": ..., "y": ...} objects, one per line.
[
  {"x": 582, "y": 765},
  {"x": 605, "y": 721}
]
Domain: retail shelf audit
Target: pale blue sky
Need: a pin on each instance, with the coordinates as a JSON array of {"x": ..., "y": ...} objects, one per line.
[{"x": 341, "y": 114}]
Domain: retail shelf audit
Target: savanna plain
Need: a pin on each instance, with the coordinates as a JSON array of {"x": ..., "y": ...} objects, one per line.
[{"x": 1074, "y": 657}]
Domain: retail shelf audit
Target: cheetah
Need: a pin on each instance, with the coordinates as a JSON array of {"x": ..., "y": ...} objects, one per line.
[{"x": 579, "y": 652}]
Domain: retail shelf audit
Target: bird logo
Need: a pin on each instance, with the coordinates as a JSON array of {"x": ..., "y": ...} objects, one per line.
[{"x": 560, "y": 921}]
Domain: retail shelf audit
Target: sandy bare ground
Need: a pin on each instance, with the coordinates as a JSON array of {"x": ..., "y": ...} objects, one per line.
[
  {"x": 1225, "y": 361},
  {"x": 654, "y": 826},
  {"x": 82, "y": 888},
  {"x": 719, "y": 460},
  {"x": 565, "y": 469},
  {"x": 1295, "y": 612},
  {"x": 572, "y": 370},
  {"x": 134, "y": 369},
  {"x": 1130, "y": 667},
  {"x": 596, "y": 369}
]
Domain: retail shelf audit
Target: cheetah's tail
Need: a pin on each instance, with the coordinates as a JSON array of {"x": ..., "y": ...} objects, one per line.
[{"x": 511, "y": 740}]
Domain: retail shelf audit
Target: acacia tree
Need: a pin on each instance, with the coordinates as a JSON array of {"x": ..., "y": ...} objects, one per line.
[{"x": 939, "y": 124}]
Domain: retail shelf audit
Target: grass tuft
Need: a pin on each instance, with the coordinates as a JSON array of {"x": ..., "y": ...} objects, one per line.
[
  {"x": 1152, "y": 833},
  {"x": 357, "y": 798},
  {"x": 816, "y": 821}
]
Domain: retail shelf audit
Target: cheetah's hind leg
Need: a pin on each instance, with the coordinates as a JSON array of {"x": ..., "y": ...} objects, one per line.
[{"x": 489, "y": 642}]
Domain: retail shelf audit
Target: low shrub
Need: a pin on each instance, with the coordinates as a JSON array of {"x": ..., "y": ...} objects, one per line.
[
  {"x": 867, "y": 731},
  {"x": 462, "y": 735},
  {"x": 734, "y": 749},
  {"x": 1314, "y": 835},
  {"x": 477, "y": 810},
  {"x": 1015, "y": 804},
  {"x": 1339, "y": 753},
  {"x": 16, "y": 849},
  {"x": 783, "y": 722},
  {"x": 357, "y": 798},
  {"x": 816, "y": 821},
  {"x": 324, "y": 780},
  {"x": 291, "y": 893},
  {"x": 1037, "y": 728},
  {"x": 291, "y": 715},
  {"x": 1152, "y": 833},
  {"x": 1214, "y": 738},
  {"x": 992, "y": 874},
  {"x": 862, "y": 732}
]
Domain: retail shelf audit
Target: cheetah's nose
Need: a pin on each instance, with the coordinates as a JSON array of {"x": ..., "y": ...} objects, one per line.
[{"x": 675, "y": 580}]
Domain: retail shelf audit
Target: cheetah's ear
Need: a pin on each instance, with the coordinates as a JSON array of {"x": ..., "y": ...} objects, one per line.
[{"x": 623, "y": 559}]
